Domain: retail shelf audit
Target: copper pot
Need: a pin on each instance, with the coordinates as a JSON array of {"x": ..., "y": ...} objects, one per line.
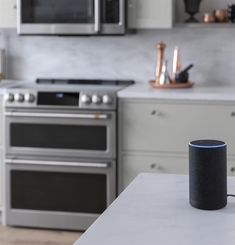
[
  {"x": 208, "y": 18},
  {"x": 221, "y": 15}
]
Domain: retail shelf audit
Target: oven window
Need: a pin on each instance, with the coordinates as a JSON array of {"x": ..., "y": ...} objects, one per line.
[
  {"x": 74, "y": 137},
  {"x": 57, "y": 11},
  {"x": 55, "y": 191}
]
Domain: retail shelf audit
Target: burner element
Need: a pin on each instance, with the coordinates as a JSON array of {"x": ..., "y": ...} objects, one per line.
[{"x": 84, "y": 82}]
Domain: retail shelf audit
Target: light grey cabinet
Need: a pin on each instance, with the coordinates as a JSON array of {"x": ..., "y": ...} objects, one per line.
[
  {"x": 133, "y": 164},
  {"x": 158, "y": 132},
  {"x": 1, "y": 153},
  {"x": 7, "y": 13},
  {"x": 170, "y": 126},
  {"x": 150, "y": 14}
]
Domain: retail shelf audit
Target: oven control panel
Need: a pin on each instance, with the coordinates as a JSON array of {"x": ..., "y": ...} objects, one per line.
[
  {"x": 76, "y": 100},
  {"x": 19, "y": 98}
]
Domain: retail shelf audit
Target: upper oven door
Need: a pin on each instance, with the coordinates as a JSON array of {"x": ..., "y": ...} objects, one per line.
[
  {"x": 80, "y": 134},
  {"x": 71, "y": 17}
]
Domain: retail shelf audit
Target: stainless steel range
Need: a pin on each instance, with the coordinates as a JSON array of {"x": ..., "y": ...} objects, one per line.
[{"x": 61, "y": 156}]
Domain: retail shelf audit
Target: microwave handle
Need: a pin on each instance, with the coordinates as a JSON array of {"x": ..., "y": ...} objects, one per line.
[
  {"x": 122, "y": 13},
  {"x": 97, "y": 16}
]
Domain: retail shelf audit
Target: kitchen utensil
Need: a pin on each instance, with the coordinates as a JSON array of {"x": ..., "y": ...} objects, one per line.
[
  {"x": 208, "y": 18},
  {"x": 192, "y": 8},
  {"x": 160, "y": 57},
  {"x": 164, "y": 77},
  {"x": 176, "y": 62},
  {"x": 183, "y": 76},
  {"x": 221, "y": 15}
]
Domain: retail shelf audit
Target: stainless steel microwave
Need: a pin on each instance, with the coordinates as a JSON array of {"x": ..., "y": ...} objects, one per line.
[{"x": 71, "y": 17}]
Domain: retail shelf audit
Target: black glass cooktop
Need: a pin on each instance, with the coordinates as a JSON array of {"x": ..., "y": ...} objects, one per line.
[{"x": 85, "y": 82}]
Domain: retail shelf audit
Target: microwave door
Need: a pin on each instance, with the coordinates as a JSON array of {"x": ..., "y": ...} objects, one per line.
[
  {"x": 113, "y": 16},
  {"x": 59, "y": 17}
]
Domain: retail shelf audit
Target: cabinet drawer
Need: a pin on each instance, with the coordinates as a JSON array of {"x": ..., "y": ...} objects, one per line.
[
  {"x": 132, "y": 165},
  {"x": 155, "y": 126},
  {"x": 1, "y": 178},
  {"x": 231, "y": 166}
]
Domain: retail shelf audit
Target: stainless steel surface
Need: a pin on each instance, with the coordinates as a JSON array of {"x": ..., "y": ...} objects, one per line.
[
  {"x": 96, "y": 99},
  {"x": 86, "y": 99},
  {"x": 29, "y": 98},
  {"x": 92, "y": 106},
  {"x": 122, "y": 13},
  {"x": 58, "y": 163},
  {"x": 50, "y": 219},
  {"x": 107, "y": 99},
  {"x": 74, "y": 29},
  {"x": 97, "y": 16},
  {"x": 90, "y": 98},
  {"x": 19, "y": 97},
  {"x": 53, "y": 117},
  {"x": 95, "y": 116}
]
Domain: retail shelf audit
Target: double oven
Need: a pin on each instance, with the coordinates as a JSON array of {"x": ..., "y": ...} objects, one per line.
[{"x": 60, "y": 159}]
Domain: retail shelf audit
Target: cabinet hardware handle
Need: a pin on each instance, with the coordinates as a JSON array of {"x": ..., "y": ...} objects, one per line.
[
  {"x": 14, "y": 6},
  {"x": 233, "y": 114},
  {"x": 232, "y": 169},
  {"x": 156, "y": 166},
  {"x": 156, "y": 113}
]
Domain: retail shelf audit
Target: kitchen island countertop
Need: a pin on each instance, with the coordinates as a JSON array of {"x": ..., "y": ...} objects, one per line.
[
  {"x": 154, "y": 209},
  {"x": 197, "y": 92}
]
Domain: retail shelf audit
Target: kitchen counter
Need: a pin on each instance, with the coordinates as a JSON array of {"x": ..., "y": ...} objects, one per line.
[
  {"x": 6, "y": 84},
  {"x": 198, "y": 92},
  {"x": 154, "y": 209}
]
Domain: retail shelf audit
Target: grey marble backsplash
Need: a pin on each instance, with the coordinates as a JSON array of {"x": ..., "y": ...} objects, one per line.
[{"x": 211, "y": 50}]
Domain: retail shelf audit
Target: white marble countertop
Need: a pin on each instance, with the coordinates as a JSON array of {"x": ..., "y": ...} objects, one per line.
[
  {"x": 143, "y": 90},
  {"x": 197, "y": 92},
  {"x": 6, "y": 84},
  {"x": 155, "y": 210}
]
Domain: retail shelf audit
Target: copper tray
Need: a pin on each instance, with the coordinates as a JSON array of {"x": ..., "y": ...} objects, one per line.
[{"x": 171, "y": 85}]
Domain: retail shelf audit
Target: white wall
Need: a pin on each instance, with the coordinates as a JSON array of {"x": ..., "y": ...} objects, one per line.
[{"x": 212, "y": 50}]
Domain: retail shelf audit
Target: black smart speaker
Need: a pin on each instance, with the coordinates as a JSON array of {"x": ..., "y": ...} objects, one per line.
[{"x": 208, "y": 174}]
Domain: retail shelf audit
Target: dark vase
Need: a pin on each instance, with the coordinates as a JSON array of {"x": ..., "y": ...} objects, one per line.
[{"x": 192, "y": 8}]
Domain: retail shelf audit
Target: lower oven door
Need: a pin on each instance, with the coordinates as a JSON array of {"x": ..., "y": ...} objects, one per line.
[
  {"x": 56, "y": 194},
  {"x": 83, "y": 134}
]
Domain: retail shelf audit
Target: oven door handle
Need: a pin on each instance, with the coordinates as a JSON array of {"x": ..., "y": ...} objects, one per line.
[
  {"x": 55, "y": 163},
  {"x": 59, "y": 115}
]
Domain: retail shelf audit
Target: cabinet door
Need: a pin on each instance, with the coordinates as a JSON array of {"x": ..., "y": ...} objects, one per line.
[
  {"x": 150, "y": 14},
  {"x": 133, "y": 164},
  {"x": 231, "y": 167},
  {"x": 7, "y": 13},
  {"x": 1, "y": 178},
  {"x": 169, "y": 127}
]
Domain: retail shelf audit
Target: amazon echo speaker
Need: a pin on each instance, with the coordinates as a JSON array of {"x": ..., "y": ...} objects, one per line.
[{"x": 208, "y": 174}]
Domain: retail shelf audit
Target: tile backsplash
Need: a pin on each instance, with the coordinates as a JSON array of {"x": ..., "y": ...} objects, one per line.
[{"x": 132, "y": 56}]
